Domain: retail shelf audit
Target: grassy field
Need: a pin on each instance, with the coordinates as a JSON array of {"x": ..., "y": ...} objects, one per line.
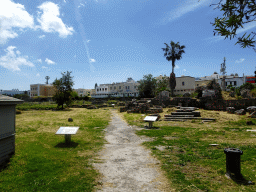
[
  {"x": 188, "y": 159},
  {"x": 42, "y": 160}
]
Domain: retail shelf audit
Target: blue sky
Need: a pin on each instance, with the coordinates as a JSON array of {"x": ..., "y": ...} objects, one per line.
[{"x": 106, "y": 41}]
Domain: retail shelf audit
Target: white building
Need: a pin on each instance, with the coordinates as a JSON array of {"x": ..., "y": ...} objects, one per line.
[
  {"x": 232, "y": 80},
  {"x": 120, "y": 89},
  {"x": 11, "y": 92}
]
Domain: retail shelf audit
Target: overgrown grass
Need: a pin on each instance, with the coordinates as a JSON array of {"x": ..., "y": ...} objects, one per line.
[
  {"x": 188, "y": 159},
  {"x": 42, "y": 160}
]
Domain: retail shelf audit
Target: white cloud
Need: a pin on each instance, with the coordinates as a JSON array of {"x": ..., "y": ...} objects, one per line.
[
  {"x": 39, "y": 60},
  {"x": 49, "y": 62},
  {"x": 18, "y": 52},
  {"x": 12, "y": 61},
  {"x": 186, "y": 7},
  {"x": 13, "y": 16},
  {"x": 43, "y": 67},
  {"x": 38, "y": 75},
  {"x": 64, "y": 1},
  {"x": 177, "y": 67},
  {"x": 42, "y": 36},
  {"x": 81, "y": 4},
  {"x": 240, "y": 60},
  {"x": 50, "y": 21},
  {"x": 88, "y": 41},
  {"x": 92, "y": 60}
]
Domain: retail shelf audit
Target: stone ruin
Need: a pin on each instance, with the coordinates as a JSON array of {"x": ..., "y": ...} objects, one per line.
[
  {"x": 230, "y": 110},
  {"x": 141, "y": 106},
  {"x": 245, "y": 93},
  {"x": 240, "y": 112}
]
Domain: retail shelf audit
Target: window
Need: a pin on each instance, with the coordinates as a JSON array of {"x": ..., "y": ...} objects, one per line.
[
  {"x": 110, "y": 88},
  {"x": 97, "y": 89},
  {"x": 183, "y": 83},
  {"x": 105, "y": 89},
  {"x": 234, "y": 82},
  {"x": 119, "y": 87},
  {"x": 125, "y": 87},
  {"x": 226, "y": 83},
  {"x": 197, "y": 84},
  {"x": 100, "y": 89},
  {"x": 134, "y": 87},
  {"x": 115, "y": 87}
]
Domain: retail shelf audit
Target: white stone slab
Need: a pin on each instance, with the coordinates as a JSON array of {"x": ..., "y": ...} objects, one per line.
[
  {"x": 67, "y": 131},
  {"x": 251, "y": 130},
  {"x": 150, "y": 118}
]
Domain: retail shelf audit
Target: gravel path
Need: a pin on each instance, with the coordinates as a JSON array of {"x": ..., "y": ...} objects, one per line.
[{"x": 127, "y": 165}]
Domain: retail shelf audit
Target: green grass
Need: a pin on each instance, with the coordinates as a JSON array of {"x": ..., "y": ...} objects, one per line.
[
  {"x": 188, "y": 160},
  {"x": 36, "y": 105},
  {"x": 42, "y": 160}
]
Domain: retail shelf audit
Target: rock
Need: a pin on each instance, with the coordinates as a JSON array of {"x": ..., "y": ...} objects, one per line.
[
  {"x": 186, "y": 95},
  {"x": 70, "y": 120},
  {"x": 251, "y": 109},
  {"x": 230, "y": 110},
  {"x": 253, "y": 114},
  {"x": 240, "y": 112},
  {"x": 245, "y": 93}
]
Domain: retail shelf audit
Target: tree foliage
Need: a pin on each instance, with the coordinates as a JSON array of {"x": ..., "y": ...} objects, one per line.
[
  {"x": 64, "y": 90},
  {"x": 236, "y": 13},
  {"x": 147, "y": 86},
  {"x": 162, "y": 85}
]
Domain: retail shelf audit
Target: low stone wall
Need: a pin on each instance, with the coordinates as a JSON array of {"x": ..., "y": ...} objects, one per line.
[{"x": 223, "y": 104}]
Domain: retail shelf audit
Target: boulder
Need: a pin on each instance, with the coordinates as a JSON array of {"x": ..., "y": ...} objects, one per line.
[
  {"x": 253, "y": 114},
  {"x": 186, "y": 95},
  {"x": 70, "y": 120},
  {"x": 230, "y": 110},
  {"x": 251, "y": 109},
  {"x": 240, "y": 112},
  {"x": 245, "y": 93}
]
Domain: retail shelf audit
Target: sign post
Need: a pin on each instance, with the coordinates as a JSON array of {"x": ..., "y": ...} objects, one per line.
[
  {"x": 67, "y": 131},
  {"x": 150, "y": 120}
]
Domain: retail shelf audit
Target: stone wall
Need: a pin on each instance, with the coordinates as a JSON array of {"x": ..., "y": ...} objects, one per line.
[{"x": 222, "y": 104}]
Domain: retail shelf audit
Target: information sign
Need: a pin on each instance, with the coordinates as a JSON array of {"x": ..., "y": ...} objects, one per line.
[
  {"x": 150, "y": 118},
  {"x": 67, "y": 131}
]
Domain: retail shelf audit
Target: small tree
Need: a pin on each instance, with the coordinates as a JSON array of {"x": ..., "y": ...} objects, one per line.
[{"x": 64, "y": 90}]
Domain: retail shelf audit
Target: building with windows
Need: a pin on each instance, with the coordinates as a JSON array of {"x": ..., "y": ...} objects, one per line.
[
  {"x": 47, "y": 90},
  {"x": 120, "y": 89},
  {"x": 84, "y": 92},
  {"x": 184, "y": 84}
]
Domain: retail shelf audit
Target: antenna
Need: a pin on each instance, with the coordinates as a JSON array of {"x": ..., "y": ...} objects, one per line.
[
  {"x": 47, "y": 78},
  {"x": 223, "y": 67}
]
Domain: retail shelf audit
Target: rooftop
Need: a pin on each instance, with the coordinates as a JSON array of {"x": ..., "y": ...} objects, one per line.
[{"x": 9, "y": 100}]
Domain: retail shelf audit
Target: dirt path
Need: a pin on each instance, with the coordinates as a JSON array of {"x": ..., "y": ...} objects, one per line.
[{"x": 128, "y": 166}]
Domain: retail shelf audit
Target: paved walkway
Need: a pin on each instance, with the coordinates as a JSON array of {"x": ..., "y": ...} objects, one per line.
[{"x": 128, "y": 166}]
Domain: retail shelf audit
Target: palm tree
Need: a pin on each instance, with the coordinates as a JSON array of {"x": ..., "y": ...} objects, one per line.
[{"x": 173, "y": 53}]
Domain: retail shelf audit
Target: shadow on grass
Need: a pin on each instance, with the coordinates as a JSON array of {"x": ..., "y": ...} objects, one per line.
[
  {"x": 147, "y": 127},
  {"x": 67, "y": 145},
  {"x": 240, "y": 180}
]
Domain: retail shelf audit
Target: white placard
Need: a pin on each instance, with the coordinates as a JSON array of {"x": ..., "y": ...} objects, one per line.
[
  {"x": 150, "y": 118},
  {"x": 67, "y": 131},
  {"x": 251, "y": 130}
]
